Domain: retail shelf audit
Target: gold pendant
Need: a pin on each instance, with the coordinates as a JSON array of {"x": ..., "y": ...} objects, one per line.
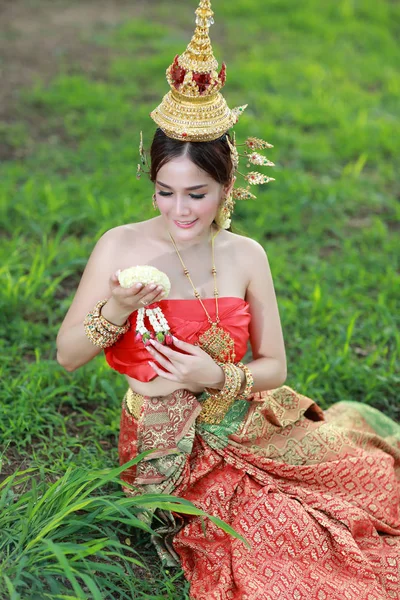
[{"x": 218, "y": 344}]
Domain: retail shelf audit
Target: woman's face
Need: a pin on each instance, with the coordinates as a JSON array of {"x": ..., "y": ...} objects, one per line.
[{"x": 186, "y": 193}]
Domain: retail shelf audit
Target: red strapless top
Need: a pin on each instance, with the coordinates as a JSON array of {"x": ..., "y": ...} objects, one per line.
[{"x": 187, "y": 321}]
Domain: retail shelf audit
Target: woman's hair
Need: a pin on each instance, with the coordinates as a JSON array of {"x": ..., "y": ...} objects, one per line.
[{"x": 212, "y": 157}]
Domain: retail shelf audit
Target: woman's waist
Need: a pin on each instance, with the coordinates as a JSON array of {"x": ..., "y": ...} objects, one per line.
[
  {"x": 134, "y": 400},
  {"x": 159, "y": 386},
  {"x": 213, "y": 409}
]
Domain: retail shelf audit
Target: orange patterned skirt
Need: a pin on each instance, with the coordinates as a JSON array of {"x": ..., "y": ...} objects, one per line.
[{"x": 316, "y": 493}]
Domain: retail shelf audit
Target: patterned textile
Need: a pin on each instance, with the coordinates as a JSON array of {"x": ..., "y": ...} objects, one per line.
[{"x": 316, "y": 493}]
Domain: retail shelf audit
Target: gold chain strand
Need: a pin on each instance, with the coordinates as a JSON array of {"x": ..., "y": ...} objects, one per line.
[
  {"x": 214, "y": 271},
  {"x": 217, "y": 342}
]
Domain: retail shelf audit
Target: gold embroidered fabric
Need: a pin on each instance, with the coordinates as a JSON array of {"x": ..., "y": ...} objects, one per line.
[
  {"x": 133, "y": 403},
  {"x": 308, "y": 476}
]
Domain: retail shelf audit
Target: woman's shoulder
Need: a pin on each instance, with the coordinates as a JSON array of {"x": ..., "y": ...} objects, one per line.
[
  {"x": 137, "y": 231},
  {"x": 245, "y": 244},
  {"x": 128, "y": 231}
]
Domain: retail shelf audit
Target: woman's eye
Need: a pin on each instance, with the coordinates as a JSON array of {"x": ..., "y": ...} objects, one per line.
[{"x": 194, "y": 196}]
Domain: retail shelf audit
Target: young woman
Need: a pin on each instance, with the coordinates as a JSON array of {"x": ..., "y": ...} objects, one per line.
[{"x": 316, "y": 493}]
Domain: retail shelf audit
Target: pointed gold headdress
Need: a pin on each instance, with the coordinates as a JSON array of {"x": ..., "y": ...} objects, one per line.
[{"x": 194, "y": 109}]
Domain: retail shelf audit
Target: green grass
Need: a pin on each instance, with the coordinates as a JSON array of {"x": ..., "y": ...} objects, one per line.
[
  {"x": 50, "y": 536},
  {"x": 323, "y": 85}
]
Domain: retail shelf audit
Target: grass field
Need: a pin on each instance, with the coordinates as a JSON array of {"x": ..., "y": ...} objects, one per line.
[{"x": 322, "y": 82}]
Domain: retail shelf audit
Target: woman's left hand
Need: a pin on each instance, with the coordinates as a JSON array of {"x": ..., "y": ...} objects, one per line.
[{"x": 194, "y": 368}]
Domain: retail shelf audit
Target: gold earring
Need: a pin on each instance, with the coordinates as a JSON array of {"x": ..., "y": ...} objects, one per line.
[
  {"x": 225, "y": 209},
  {"x": 154, "y": 202}
]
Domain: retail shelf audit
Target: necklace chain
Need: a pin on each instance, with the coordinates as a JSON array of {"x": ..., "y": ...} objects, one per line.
[
  {"x": 214, "y": 272},
  {"x": 216, "y": 341}
]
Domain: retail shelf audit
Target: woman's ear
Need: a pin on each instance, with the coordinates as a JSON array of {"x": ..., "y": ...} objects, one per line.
[{"x": 228, "y": 188}]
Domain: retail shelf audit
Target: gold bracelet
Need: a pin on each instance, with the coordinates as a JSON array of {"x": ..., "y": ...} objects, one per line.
[
  {"x": 230, "y": 385},
  {"x": 249, "y": 381},
  {"x": 101, "y": 332},
  {"x": 216, "y": 405},
  {"x": 97, "y": 338},
  {"x": 110, "y": 326}
]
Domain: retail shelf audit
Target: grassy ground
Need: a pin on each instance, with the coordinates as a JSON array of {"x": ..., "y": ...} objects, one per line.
[{"x": 79, "y": 79}]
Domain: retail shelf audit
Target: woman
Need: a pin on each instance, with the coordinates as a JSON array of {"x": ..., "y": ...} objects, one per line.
[{"x": 316, "y": 493}]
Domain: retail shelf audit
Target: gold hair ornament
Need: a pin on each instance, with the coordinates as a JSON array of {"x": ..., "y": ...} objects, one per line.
[
  {"x": 252, "y": 178},
  {"x": 143, "y": 159},
  {"x": 194, "y": 110},
  {"x": 225, "y": 210}
]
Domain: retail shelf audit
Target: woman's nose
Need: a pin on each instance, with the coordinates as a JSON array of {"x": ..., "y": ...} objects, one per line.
[{"x": 182, "y": 205}]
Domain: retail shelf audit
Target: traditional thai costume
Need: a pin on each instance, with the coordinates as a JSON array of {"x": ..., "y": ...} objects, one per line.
[{"x": 315, "y": 493}]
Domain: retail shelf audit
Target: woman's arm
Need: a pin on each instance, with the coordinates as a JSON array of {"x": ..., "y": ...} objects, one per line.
[
  {"x": 269, "y": 365},
  {"x": 74, "y": 349}
]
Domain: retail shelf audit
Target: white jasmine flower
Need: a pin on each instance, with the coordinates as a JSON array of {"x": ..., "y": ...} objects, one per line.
[
  {"x": 147, "y": 274},
  {"x": 144, "y": 274}
]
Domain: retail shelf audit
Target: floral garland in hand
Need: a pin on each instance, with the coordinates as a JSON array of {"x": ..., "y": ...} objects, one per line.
[
  {"x": 146, "y": 274},
  {"x": 159, "y": 323}
]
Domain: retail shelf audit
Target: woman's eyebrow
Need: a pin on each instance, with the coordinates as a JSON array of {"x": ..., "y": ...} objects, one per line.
[{"x": 195, "y": 187}]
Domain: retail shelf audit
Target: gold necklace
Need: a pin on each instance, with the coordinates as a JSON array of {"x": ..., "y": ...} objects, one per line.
[{"x": 215, "y": 341}]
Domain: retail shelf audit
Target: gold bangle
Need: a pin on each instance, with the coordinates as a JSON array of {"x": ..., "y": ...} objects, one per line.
[
  {"x": 110, "y": 326},
  {"x": 102, "y": 328},
  {"x": 227, "y": 382},
  {"x": 229, "y": 387},
  {"x": 249, "y": 381},
  {"x": 99, "y": 331},
  {"x": 216, "y": 405},
  {"x": 99, "y": 339}
]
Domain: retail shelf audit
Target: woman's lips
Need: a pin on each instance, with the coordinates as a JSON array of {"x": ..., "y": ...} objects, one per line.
[{"x": 185, "y": 226}]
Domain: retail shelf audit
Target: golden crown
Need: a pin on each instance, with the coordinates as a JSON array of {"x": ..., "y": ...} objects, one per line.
[{"x": 194, "y": 110}]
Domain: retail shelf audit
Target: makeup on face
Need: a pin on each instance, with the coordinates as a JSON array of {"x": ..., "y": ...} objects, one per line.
[{"x": 187, "y": 197}]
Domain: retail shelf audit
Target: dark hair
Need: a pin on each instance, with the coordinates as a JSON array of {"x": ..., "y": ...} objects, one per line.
[{"x": 212, "y": 157}]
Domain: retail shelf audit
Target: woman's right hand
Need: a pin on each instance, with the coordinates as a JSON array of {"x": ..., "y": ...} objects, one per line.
[{"x": 130, "y": 299}]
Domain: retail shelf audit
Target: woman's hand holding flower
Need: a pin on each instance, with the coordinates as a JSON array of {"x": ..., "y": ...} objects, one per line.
[
  {"x": 194, "y": 368},
  {"x": 130, "y": 299}
]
